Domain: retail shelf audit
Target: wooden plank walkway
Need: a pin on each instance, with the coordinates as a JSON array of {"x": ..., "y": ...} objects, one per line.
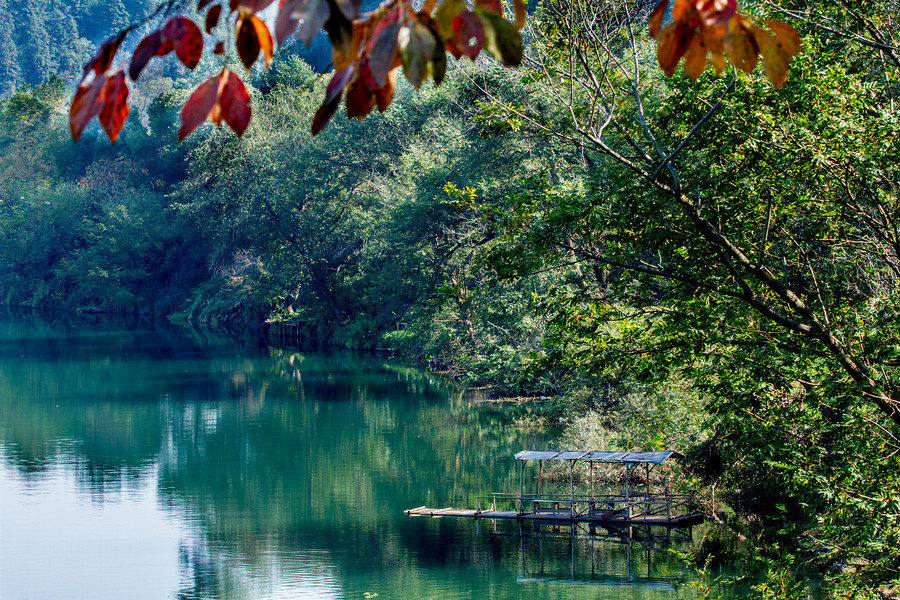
[{"x": 560, "y": 517}]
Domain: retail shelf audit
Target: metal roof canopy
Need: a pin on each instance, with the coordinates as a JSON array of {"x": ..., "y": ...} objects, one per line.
[{"x": 654, "y": 458}]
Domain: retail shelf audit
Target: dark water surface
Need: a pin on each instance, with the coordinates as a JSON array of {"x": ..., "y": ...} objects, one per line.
[{"x": 146, "y": 463}]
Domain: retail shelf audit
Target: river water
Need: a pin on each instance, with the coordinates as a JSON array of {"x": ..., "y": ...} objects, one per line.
[{"x": 144, "y": 462}]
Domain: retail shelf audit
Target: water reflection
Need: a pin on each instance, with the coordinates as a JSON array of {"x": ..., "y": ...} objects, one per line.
[{"x": 172, "y": 467}]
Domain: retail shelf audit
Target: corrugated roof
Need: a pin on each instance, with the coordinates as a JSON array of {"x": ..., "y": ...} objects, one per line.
[{"x": 654, "y": 458}]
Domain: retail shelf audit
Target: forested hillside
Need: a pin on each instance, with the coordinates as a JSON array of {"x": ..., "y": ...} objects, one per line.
[{"x": 711, "y": 266}]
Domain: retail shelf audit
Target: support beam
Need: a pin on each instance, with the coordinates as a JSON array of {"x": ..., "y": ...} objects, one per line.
[{"x": 521, "y": 485}]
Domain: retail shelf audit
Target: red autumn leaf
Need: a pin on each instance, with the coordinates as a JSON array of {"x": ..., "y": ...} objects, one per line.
[
  {"x": 360, "y": 100},
  {"x": 222, "y": 97},
  {"x": 187, "y": 39},
  {"x": 341, "y": 57},
  {"x": 233, "y": 5},
  {"x": 115, "y": 106},
  {"x": 199, "y": 106},
  {"x": 102, "y": 60},
  {"x": 252, "y": 37},
  {"x": 150, "y": 46},
  {"x": 310, "y": 15},
  {"x": 212, "y": 17},
  {"x": 87, "y": 104},
  {"x": 234, "y": 101},
  {"x": 469, "y": 33}
]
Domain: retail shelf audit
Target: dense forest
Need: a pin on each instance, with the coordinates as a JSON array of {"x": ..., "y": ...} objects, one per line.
[{"x": 709, "y": 266}]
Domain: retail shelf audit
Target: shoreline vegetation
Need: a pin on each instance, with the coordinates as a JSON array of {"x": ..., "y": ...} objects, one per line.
[{"x": 636, "y": 262}]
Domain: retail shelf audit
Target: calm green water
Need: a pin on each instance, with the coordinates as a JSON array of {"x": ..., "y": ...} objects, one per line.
[{"x": 145, "y": 463}]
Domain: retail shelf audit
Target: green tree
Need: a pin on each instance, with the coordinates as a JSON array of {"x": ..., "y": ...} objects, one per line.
[{"x": 739, "y": 238}]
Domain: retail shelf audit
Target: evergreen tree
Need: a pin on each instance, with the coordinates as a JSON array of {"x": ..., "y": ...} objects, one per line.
[{"x": 10, "y": 72}]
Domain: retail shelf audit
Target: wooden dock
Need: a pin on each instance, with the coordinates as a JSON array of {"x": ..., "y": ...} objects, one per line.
[
  {"x": 617, "y": 518},
  {"x": 632, "y": 507}
]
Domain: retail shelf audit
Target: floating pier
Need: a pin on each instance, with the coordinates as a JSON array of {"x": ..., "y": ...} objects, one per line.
[{"x": 632, "y": 507}]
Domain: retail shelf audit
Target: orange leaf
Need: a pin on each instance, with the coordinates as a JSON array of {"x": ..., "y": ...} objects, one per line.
[
  {"x": 786, "y": 35},
  {"x": 740, "y": 45},
  {"x": 265, "y": 39},
  {"x": 673, "y": 42},
  {"x": 115, "y": 106},
  {"x": 775, "y": 59},
  {"x": 187, "y": 39},
  {"x": 247, "y": 42},
  {"x": 521, "y": 13},
  {"x": 87, "y": 104},
  {"x": 656, "y": 18},
  {"x": 695, "y": 58}
]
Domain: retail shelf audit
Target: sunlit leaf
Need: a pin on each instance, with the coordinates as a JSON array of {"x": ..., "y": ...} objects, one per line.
[
  {"x": 786, "y": 35},
  {"x": 115, "y": 106},
  {"x": 740, "y": 44},
  {"x": 673, "y": 42},
  {"x": 695, "y": 58}
]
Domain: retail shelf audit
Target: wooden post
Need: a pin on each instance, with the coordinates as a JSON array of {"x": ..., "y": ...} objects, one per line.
[
  {"x": 540, "y": 475},
  {"x": 591, "y": 463},
  {"x": 572, "y": 483},
  {"x": 521, "y": 485}
]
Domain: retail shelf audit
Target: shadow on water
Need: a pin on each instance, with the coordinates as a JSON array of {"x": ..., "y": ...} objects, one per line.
[{"x": 226, "y": 470}]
